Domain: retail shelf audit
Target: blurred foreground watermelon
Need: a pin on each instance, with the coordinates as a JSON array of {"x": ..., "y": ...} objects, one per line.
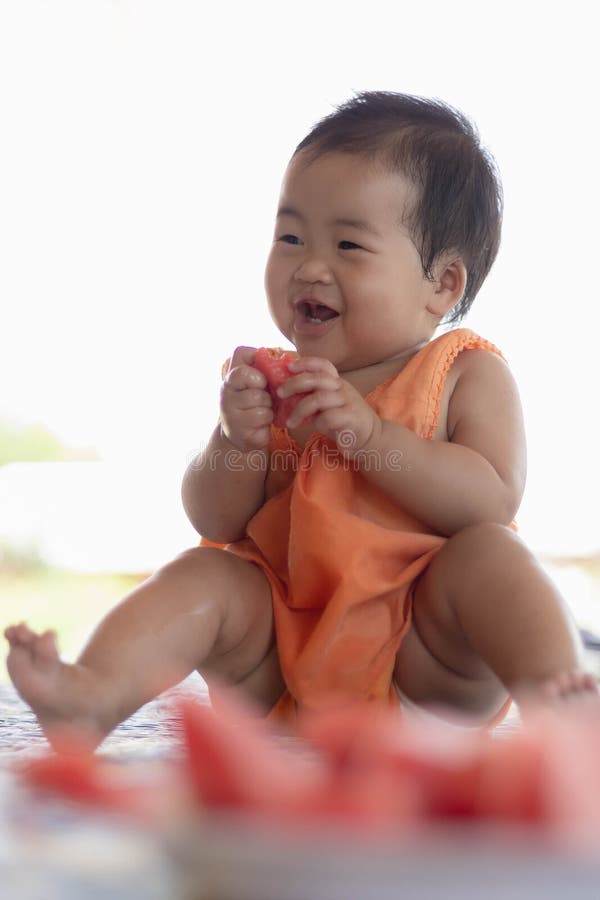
[{"x": 359, "y": 768}]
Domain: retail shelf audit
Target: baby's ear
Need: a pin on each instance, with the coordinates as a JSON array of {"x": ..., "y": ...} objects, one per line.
[{"x": 450, "y": 281}]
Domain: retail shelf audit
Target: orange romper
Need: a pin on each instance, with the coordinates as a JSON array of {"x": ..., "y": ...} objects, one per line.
[{"x": 341, "y": 557}]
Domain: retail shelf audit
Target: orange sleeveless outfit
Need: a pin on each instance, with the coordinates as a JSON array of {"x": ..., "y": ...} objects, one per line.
[{"x": 342, "y": 558}]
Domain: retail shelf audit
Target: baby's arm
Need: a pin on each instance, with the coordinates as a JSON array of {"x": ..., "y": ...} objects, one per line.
[
  {"x": 224, "y": 485},
  {"x": 478, "y": 475}
]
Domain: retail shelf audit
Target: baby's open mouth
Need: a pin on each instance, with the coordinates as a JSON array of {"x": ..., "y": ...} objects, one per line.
[{"x": 316, "y": 312}]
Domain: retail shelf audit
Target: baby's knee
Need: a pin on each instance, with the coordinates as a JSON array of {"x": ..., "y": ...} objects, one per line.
[
  {"x": 193, "y": 563},
  {"x": 487, "y": 537}
]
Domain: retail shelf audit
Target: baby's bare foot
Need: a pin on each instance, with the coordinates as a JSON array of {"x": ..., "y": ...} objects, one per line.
[
  {"x": 568, "y": 687},
  {"x": 33, "y": 664},
  {"x": 58, "y": 693},
  {"x": 575, "y": 690}
]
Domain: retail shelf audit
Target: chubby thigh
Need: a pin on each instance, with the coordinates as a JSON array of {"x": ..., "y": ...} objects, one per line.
[
  {"x": 437, "y": 666},
  {"x": 206, "y": 610},
  {"x": 245, "y": 650}
]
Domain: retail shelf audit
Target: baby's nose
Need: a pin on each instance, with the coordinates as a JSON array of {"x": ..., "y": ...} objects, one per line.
[{"x": 313, "y": 270}]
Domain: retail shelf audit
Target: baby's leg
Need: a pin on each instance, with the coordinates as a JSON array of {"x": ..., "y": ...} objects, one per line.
[
  {"x": 488, "y": 621},
  {"x": 206, "y": 610}
]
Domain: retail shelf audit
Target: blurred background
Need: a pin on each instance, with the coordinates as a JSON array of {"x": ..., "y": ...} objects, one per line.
[{"x": 142, "y": 147}]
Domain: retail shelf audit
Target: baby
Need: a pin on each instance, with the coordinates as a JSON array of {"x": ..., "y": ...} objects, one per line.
[{"x": 367, "y": 550}]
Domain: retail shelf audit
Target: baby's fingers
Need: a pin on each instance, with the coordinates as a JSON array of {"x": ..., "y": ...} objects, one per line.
[
  {"x": 246, "y": 398},
  {"x": 254, "y": 426},
  {"x": 242, "y": 356},
  {"x": 313, "y": 364},
  {"x": 247, "y": 429},
  {"x": 309, "y": 381},
  {"x": 243, "y": 421},
  {"x": 241, "y": 377},
  {"x": 314, "y": 403}
]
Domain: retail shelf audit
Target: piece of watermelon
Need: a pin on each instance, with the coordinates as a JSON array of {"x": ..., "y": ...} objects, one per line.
[{"x": 273, "y": 363}]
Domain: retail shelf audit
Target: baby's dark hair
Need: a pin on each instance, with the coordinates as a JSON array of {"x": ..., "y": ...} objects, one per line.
[{"x": 459, "y": 205}]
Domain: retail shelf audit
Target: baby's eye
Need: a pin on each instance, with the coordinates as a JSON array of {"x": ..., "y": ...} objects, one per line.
[
  {"x": 289, "y": 239},
  {"x": 349, "y": 245}
]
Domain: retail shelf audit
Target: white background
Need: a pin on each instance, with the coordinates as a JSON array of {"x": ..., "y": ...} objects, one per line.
[{"x": 141, "y": 149}]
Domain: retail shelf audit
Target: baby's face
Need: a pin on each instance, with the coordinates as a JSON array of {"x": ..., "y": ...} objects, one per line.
[{"x": 344, "y": 280}]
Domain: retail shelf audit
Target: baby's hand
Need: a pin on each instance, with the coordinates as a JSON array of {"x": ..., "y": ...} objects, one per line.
[
  {"x": 338, "y": 409},
  {"x": 246, "y": 408},
  {"x": 274, "y": 364}
]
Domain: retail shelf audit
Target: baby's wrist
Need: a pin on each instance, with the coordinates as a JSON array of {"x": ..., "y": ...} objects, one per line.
[
  {"x": 353, "y": 447},
  {"x": 230, "y": 447}
]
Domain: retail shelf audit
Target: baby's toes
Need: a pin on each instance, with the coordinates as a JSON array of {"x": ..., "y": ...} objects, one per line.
[
  {"x": 45, "y": 646},
  {"x": 19, "y": 635},
  {"x": 590, "y": 683},
  {"x": 10, "y": 633},
  {"x": 566, "y": 684},
  {"x": 579, "y": 691},
  {"x": 585, "y": 685}
]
